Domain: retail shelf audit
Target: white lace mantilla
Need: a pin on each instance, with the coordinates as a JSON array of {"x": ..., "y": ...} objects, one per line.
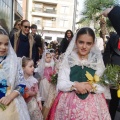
[
  {"x": 74, "y": 60},
  {"x": 94, "y": 61}
]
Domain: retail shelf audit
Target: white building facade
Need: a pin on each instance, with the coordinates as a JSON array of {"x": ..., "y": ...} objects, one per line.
[{"x": 53, "y": 17}]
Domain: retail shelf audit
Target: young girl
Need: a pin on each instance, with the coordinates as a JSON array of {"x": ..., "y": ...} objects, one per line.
[
  {"x": 12, "y": 83},
  {"x": 75, "y": 100},
  {"x": 45, "y": 69},
  {"x": 52, "y": 91},
  {"x": 31, "y": 91}
]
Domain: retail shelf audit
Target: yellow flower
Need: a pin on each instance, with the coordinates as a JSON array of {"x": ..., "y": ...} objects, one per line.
[
  {"x": 91, "y": 78},
  {"x": 118, "y": 93},
  {"x": 96, "y": 78}
]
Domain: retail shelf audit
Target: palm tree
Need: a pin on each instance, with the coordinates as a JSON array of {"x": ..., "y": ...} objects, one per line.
[{"x": 92, "y": 10}]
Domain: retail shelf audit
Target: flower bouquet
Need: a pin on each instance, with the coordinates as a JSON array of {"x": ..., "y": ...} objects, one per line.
[
  {"x": 111, "y": 77},
  {"x": 94, "y": 81},
  {"x": 53, "y": 78}
]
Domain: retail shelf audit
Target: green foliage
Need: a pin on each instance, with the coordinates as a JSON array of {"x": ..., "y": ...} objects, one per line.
[
  {"x": 111, "y": 76},
  {"x": 84, "y": 21},
  {"x": 94, "y": 7},
  {"x": 2, "y": 106}
]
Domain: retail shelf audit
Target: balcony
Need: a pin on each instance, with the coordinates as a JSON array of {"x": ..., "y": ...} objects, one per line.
[
  {"x": 47, "y": 1},
  {"x": 50, "y": 11},
  {"x": 51, "y": 26},
  {"x": 54, "y": 29},
  {"x": 43, "y": 14}
]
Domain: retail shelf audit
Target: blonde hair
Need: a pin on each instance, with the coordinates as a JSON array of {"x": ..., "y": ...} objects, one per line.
[{"x": 25, "y": 60}]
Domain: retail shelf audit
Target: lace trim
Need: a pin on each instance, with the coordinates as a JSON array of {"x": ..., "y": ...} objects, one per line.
[{"x": 91, "y": 63}]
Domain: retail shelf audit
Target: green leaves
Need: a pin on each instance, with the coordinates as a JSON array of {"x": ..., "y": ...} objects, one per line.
[
  {"x": 111, "y": 76},
  {"x": 92, "y": 8},
  {"x": 2, "y": 106}
]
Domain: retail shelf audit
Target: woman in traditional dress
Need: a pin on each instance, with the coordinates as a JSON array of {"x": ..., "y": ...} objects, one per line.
[{"x": 77, "y": 99}]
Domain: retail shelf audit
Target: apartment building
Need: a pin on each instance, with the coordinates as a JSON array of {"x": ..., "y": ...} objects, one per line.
[{"x": 53, "y": 17}]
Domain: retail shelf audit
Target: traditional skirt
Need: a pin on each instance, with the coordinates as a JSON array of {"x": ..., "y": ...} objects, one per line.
[
  {"x": 49, "y": 101},
  {"x": 44, "y": 89},
  {"x": 68, "y": 106},
  {"x": 34, "y": 110},
  {"x": 10, "y": 113},
  {"x": 16, "y": 110}
]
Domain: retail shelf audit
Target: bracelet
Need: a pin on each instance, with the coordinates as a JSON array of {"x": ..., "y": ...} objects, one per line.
[{"x": 72, "y": 88}]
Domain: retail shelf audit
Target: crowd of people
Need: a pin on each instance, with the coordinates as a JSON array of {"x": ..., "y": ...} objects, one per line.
[{"x": 28, "y": 65}]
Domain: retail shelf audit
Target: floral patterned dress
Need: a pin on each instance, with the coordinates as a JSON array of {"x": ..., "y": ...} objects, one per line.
[
  {"x": 68, "y": 105},
  {"x": 32, "y": 101},
  {"x": 44, "y": 85}
]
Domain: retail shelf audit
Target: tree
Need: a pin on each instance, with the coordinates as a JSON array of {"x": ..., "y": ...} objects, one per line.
[{"x": 92, "y": 10}]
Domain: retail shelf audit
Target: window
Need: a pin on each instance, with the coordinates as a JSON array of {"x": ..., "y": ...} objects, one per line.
[
  {"x": 37, "y": 7},
  {"x": 63, "y": 23},
  {"x": 64, "y": 9},
  {"x": 49, "y": 9}
]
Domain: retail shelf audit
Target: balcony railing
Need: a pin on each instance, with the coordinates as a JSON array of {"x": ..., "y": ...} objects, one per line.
[
  {"x": 50, "y": 11},
  {"x": 47, "y": 1},
  {"x": 37, "y": 9}
]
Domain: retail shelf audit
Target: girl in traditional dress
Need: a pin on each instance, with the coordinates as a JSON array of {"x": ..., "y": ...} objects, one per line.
[
  {"x": 31, "y": 94},
  {"x": 75, "y": 100},
  {"x": 45, "y": 69},
  {"x": 52, "y": 91},
  {"x": 12, "y": 83}
]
